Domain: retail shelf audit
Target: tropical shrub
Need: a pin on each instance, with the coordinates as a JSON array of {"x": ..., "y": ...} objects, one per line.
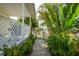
[
  {"x": 60, "y": 19},
  {"x": 23, "y": 49},
  {"x": 61, "y": 45}
]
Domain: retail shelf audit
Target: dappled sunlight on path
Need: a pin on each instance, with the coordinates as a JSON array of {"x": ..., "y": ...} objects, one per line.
[{"x": 40, "y": 48}]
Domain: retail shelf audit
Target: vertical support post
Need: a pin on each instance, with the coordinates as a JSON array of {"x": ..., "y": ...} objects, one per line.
[
  {"x": 22, "y": 20},
  {"x": 30, "y": 25}
]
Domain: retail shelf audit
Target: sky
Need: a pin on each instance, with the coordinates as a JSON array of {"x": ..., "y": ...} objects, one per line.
[
  {"x": 37, "y": 5},
  {"x": 36, "y": 8}
]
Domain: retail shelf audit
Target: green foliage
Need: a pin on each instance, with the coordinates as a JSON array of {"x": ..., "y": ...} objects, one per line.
[
  {"x": 34, "y": 23},
  {"x": 59, "y": 19},
  {"x": 11, "y": 51},
  {"x": 23, "y": 49},
  {"x": 70, "y": 12},
  {"x": 76, "y": 23},
  {"x": 61, "y": 45},
  {"x": 26, "y": 20}
]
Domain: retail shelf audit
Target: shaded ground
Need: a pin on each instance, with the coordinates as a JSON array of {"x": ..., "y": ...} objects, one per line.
[{"x": 40, "y": 48}]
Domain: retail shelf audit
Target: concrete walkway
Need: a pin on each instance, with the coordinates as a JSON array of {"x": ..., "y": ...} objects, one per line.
[{"x": 40, "y": 48}]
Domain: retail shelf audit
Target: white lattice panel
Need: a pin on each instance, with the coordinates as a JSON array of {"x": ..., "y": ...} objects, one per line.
[{"x": 10, "y": 31}]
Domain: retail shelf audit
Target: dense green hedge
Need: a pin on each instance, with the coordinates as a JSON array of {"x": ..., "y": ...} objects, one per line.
[{"x": 23, "y": 49}]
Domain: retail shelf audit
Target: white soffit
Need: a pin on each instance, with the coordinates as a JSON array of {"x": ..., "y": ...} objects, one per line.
[
  {"x": 16, "y": 9},
  {"x": 31, "y": 7}
]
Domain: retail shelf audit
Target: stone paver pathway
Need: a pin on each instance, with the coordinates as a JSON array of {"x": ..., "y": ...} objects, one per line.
[{"x": 40, "y": 48}]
